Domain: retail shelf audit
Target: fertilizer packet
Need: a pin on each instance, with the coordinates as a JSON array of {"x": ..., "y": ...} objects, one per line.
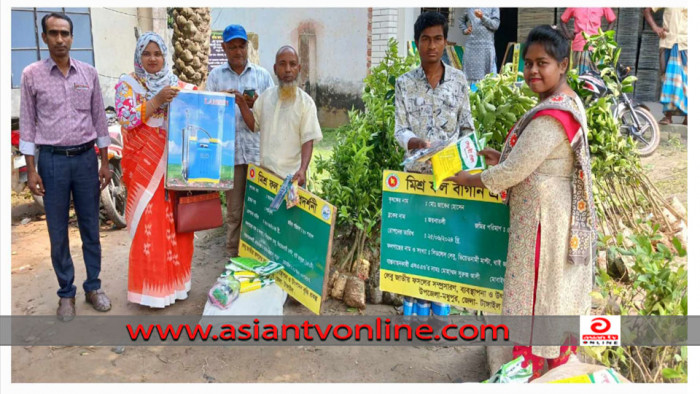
[
  {"x": 424, "y": 154},
  {"x": 259, "y": 267},
  {"x": 224, "y": 292},
  {"x": 255, "y": 284},
  {"x": 512, "y": 372},
  {"x": 239, "y": 273},
  {"x": 245, "y": 275},
  {"x": 602, "y": 376},
  {"x": 458, "y": 156},
  {"x": 293, "y": 195},
  {"x": 277, "y": 201}
]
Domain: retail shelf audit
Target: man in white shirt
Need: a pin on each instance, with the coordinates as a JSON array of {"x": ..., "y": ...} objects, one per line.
[{"x": 288, "y": 120}]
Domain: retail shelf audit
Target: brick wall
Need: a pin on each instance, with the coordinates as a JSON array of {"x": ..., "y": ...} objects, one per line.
[
  {"x": 369, "y": 39},
  {"x": 384, "y": 25}
]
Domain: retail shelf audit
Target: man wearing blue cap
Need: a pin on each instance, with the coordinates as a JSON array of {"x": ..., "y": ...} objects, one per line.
[{"x": 246, "y": 81}]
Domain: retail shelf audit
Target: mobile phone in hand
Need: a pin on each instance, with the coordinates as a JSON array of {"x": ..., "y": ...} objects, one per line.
[{"x": 249, "y": 92}]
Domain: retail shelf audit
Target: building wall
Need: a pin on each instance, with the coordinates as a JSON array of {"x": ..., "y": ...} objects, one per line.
[
  {"x": 114, "y": 41},
  {"x": 384, "y": 27},
  {"x": 336, "y": 39},
  {"x": 407, "y": 17}
]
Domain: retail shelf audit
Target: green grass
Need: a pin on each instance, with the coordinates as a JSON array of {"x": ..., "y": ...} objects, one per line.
[
  {"x": 324, "y": 148},
  {"x": 330, "y": 138}
]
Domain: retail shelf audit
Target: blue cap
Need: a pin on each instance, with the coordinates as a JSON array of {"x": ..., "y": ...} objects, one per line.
[{"x": 234, "y": 31}]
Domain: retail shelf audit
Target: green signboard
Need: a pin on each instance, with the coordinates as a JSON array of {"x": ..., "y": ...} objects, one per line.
[
  {"x": 447, "y": 245},
  {"x": 299, "y": 238}
]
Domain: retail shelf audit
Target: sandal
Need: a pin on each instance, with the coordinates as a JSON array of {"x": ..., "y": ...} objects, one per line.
[
  {"x": 665, "y": 120},
  {"x": 99, "y": 300}
]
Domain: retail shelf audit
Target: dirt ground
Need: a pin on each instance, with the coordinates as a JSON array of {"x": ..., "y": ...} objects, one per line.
[
  {"x": 668, "y": 166},
  {"x": 34, "y": 293}
]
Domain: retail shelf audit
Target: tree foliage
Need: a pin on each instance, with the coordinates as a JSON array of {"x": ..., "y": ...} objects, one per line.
[{"x": 351, "y": 178}]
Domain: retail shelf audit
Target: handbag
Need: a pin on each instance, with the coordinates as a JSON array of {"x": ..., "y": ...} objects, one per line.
[{"x": 196, "y": 212}]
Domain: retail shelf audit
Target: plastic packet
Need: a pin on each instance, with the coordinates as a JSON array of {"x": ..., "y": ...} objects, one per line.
[
  {"x": 293, "y": 195},
  {"x": 255, "y": 284},
  {"x": 512, "y": 372},
  {"x": 424, "y": 154},
  {"x": 602, "y": 376},
  {"x": 239, "y": 273},
  {"x": 262, "y": 268},
  {"x": 460, "y": 155},
  {"x": 277, "y": 201},
  {"x": 224, "y": 292},
  {"x": 245, "y": 275}
]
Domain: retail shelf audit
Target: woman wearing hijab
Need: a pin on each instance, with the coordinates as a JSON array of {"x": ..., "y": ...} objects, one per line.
[{"x": 160, "y": 258}]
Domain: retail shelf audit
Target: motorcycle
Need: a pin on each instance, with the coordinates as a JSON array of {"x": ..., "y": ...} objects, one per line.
[
  {"x": 19, "y": 167},
  {"x": 636, "y": 120},
  {"x": 112, "y": 198}
]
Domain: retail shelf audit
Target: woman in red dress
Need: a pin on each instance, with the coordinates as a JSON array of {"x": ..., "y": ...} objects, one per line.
[{"x": 160, "y": 258}]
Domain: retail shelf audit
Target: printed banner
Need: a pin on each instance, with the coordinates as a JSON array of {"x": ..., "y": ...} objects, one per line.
[
  {"x": 300, "y": 238},
  {"x": 447, "y": 244}
]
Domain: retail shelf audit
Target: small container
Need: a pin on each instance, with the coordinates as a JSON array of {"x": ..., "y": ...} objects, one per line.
[
  {"x": 440, "y": 309},
  {"x": 408, "y": 306},
  {"x": 422, "y": 308}
]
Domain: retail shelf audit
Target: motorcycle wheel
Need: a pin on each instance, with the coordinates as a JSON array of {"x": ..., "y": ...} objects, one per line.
[
  {"x": 113, "y": 197},
  {"x": 650, "y": 129}
]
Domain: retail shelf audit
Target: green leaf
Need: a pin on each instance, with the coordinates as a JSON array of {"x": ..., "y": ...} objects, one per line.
[
  {"x": 596, "y": 295},
  {"x": 669, "y": 373},
  {"x": 679, "y": 247}
]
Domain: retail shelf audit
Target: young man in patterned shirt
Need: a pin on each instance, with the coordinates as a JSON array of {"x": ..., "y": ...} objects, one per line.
[{"x": 432, "y": 101}]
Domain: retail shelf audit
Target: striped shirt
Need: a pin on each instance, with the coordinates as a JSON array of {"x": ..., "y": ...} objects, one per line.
[{"x": 253, "y": 77}]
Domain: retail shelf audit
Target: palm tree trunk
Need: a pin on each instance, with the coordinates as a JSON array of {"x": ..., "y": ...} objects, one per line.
[{"x": 191, "y": 35}]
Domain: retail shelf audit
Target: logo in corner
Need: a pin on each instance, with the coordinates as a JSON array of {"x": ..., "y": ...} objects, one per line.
[
  {"x": 599, "y": 330},
  {"x": 326, "y": 212},
  {"x": 252, "y": 173},
  {"x": 392, "y": 182},
  {"x": 601, "y": 325}
]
